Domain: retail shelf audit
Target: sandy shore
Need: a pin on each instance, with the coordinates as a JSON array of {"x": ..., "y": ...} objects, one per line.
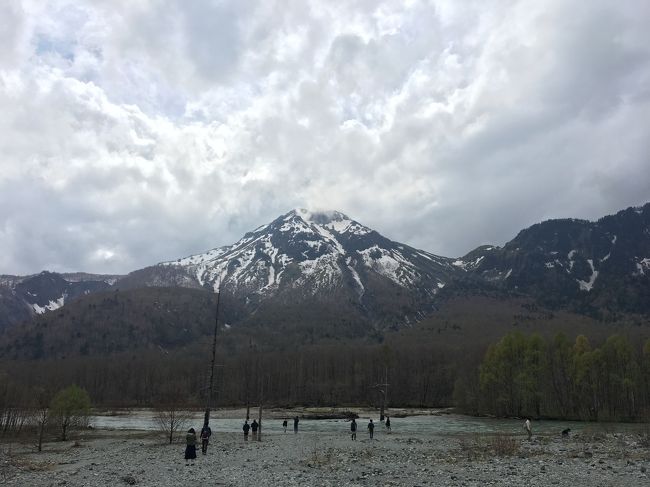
[{"x": 110, "y": 458}]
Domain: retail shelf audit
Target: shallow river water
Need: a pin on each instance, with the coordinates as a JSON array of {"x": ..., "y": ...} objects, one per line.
[{"x": 413, "y": 425}]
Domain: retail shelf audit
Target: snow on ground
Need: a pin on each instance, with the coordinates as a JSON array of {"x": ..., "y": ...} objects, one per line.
[
  {"x": 51, "y": 306},
  {"x": 642, "y": 266},
  {"x": 570, "y": 257},
  {"x": 588, "y": 285}
]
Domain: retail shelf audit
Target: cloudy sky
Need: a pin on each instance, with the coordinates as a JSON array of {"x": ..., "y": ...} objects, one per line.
[{"x": 133, "y": 132}]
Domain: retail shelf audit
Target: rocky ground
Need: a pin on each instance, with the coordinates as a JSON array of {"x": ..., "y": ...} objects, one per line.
[{"x": 113, "y": 458}]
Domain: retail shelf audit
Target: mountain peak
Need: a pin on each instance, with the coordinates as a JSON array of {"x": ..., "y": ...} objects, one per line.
[
  {"x": 320, "y": 217},
  {"x": 307, "y": 251}
]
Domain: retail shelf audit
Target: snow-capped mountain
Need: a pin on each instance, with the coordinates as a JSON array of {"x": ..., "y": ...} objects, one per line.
[
  {"x": 315, "y": 251},
  {"x": 569, "y": 261},
  {"x": 25, "y": 296},
  {"x": 306, "y": 265},
  {"x": 312, "y": 255}
]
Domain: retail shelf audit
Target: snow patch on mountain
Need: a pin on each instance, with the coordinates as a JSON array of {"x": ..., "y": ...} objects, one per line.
[
  {"x": 642, "y": 266},
  {"x": 571, "y": 261},
  {"x": 51, "y": 306},
  {"x": 588, "y": 285},
  {"x": 468, "y": 265}
]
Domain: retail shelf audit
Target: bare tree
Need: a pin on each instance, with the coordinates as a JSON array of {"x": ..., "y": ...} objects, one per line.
[
  {"x": 41, "y": 413},
  {"x": 171, "y": 414}
]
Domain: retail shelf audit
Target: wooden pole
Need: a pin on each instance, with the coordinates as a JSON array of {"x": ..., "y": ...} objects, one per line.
[{"x": 206, "y": 420}]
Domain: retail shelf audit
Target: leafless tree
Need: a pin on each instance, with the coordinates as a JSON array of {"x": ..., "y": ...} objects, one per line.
[{"x": 171, "y": 413}]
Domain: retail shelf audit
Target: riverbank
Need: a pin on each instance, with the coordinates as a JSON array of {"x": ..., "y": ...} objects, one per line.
[{"x": 110, "y": 458}]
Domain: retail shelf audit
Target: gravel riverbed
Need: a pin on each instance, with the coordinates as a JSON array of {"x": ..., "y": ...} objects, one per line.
[{"x": 113, "y": 458}]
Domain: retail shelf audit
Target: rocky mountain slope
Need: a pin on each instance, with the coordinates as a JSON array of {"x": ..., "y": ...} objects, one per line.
[
  {"x": 24, "y": 297},
  {"x": 325, "y": 266},
  {"x": 310, "y": 251},
  {"x": 600, "y": 266},
  {"x": 315, "y": 257}
]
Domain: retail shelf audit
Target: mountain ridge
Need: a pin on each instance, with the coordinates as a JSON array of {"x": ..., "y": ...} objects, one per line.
[{"x": 586, "y": 265}]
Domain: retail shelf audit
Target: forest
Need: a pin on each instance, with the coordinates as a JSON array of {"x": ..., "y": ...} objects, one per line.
[
  {"x": 529, "y": 376},
  {"x": 517, "y": 376}
]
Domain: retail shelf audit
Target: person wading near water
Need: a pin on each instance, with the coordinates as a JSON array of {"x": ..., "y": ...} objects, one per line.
[
  {"x": 254, "y": 427},
  {"x": 246, "y": 427},
  {"x": 388, "y": 424},
  {"x": 295, "y": 424},
  {"x": 353, "y": 429},
  {"x": 190, "y": 449},
  {"x": 371, "y": 429},
  {"x": 206, "y": 433},
  {"x": 528, "y": 428},
  {"x": 284, "y": 425}
]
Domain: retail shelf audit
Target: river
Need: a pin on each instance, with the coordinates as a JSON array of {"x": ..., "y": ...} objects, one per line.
[{"x": 144, "y": 419}]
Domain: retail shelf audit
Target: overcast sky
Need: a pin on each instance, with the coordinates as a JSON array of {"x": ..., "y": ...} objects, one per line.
[{"x": 133, "y": 132}]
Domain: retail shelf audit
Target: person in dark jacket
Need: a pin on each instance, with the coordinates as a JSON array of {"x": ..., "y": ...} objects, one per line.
[
  {"x": 295, "y": 424},
  {"x": 388, "y": 423},
  {"x": 353, "y": 429},
  {"x": 206, "y": 433},
  {"x": 371, "y": 429},
  {"x": 284, "y": 425},
  {"x": 246, "y": 427},
  {"x": 254, "y": 427},
  {"x": 190, "y": 449}
]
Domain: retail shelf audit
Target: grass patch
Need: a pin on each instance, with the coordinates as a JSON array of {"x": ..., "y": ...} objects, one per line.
[
  {"x": 319, "y": 458},
  {"x": 479, "y": 447}
]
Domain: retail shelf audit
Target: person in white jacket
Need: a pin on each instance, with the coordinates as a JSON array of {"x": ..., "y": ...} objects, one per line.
[{"x": 528, "y": 428}]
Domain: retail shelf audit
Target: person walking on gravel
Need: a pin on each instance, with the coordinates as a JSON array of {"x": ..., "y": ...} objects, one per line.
[
  {"x": 371, "y": 429},
  {"x": 353, "y": 429},
  {"x": 254, "y": 427},
  {"x": 295, "y": 424},
  {"x": 387, "y": 424},
  {"x": 246, "y": 428},
  {"x": 528, "y": 428},
  {"x": 206, "y": 433},
  {"x": 284, "y": 425},
  {"x": 190, "y": 449}
]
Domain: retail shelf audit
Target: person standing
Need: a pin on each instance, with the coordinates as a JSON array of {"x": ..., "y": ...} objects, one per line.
[
  {"x": 190, "y": 449},
  {"x": 284, "y": 425},
  {"x": 295, "y": 424},
  {"x": 387, "y": 424},
  {"x": 528, "y": 428},
  {"x": 254, "y": 427},
  {"x": 246, "y": 428},
  {"x": 206, "y": 433},
  {"x": 371, "y": 429},
  {"x": 353, "y": 429}
]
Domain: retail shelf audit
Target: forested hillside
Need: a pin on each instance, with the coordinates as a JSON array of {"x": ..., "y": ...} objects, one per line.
[{"x": 432, "y": 363}]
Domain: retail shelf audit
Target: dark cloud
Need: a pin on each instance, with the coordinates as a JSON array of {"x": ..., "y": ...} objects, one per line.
[{"x": 135, "y": 132}]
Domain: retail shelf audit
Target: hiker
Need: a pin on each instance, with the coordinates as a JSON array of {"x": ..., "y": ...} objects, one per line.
[
  {"x": 246, "y": 427},
  {"x": 353, "y": 429},
  {"x": 206, "y": 433},
  {"x": 284, "y": 425},
  {"x": 295, "y": 424},
  {"x": 371, "y": 429},
  {"x": 190, "y": 449},
  {"x": 388, "y": 423},
  {"x": 254, "y": 427},
  {"x": 528, "y": 428}
]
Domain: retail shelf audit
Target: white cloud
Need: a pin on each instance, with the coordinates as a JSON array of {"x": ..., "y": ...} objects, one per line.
[{"x": 135, "y": 132}]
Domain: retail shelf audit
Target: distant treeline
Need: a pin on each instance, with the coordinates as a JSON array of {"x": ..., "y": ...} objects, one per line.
[
  {"x": 518, "y": 376},
  {"x": 319, "y": 375},
  {"x": 530, "y": 376}
]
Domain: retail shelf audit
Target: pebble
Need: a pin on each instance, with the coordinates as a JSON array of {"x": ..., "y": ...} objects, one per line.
[{"x": 332, "y": 460}]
